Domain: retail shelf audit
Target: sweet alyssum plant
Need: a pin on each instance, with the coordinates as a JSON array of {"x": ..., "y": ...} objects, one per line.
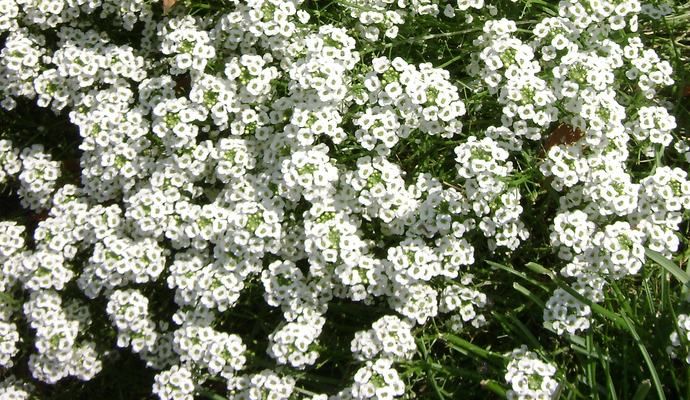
[{"x": 286, "y": 199}]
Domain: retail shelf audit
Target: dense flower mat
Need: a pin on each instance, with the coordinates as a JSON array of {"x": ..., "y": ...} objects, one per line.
[{"x": 286, "y": 199}]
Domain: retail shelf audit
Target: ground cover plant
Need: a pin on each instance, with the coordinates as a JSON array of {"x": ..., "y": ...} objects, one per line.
[{"x": 330, "y": 200}]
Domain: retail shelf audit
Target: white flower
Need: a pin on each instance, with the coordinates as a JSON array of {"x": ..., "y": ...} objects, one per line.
[
  {"x": 529, "y": 377},
  {"x": 175, "y": 383}
]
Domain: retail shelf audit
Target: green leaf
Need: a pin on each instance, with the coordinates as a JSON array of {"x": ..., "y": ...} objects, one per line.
[
  {"x": 642, "y": 390},
  {"x": 647, "y": 358},
  {"x": 517, "y": 273},
  {"x": 638, "y": 340},
  {"x": 495, "y": 387},
  {"x": 209, "y": 394},
  {"x": 591, "y": 366},
  {"x": 529, "y": 294},
  {"x": 540, "y": 269},
  {"x": 669, "y": 266},
  {"x": 516, "y": 327},
  {"x": 466, "y": 347}
]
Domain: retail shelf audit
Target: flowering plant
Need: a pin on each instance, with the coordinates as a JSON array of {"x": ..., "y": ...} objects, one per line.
[{"x": 366, "y": 199}]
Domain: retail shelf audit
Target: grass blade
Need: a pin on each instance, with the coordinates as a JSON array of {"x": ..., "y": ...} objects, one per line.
[
  {"x": 607, "y": 372},
  {"x": 642, "y": 390},
  {"x": 460, "y": 343},
  {"x": 591, "y": 368},
  {"x": 647, "y": 358},
  {"x": 517, "y": 273},
  {"x": 669, "y": 266},
  {"x": 529, "y": 294},
  {"x": 638, "y": 340},
  {"x": 617, "y": 319},
  {"x": 495, "y": 387}
]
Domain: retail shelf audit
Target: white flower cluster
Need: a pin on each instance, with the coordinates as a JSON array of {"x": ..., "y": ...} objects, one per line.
[
  {"x": 380, "y": 16},
  {"x": 390, "y": 337},
  {"x": 655, "y": 124},
  {"x": 10, "y": 163},
  {"x": 126, "y": 12},
  {"x": 507, "y": 66},
  {"x": 650, "y": 71},
  {"x": 117, "y": 261},
  {"x": 295, "y": 342},
  {"x": 656, "y": 10},
  {"x": 8, "y": 343},
  {"x": 196, "y": 281},
  {"x": 187, "y": 44},
  {"x": 37, "y": 177},
  {"x": 11, "y": 243},
  {"x": 464, "y": 304},
  {"x": 128, "y": 309},
  {"x": 484, "y": 164},
  {"x": 529, "y": 377},
  {"x": 175, "y": 383},
  {"x": 60, "y": 351},
  {"x": 615, "y": 14},
  {"x": 564, "y": 313},
  {"x": 380, "y": 19},
  {"x": 54, "y": 13},
  {"x": 597, "y": 250},
  {"x": 380, "y": 191},
  {"x": 12, "y": 388},
  {"x": 263, "y": 385},
  {"x": 222, "y": 354},
  {"x": 402, "y": 98},
  {"x": 309, "y": 173},
  {"x": 303, "y": 304},
  {"x": 567, "y": 75},
  {"x": 45, "y": 270},
  {"x": 680, "y": 337},
  {"x": 63, "y": 233},
  {"x": 20, "y": 64},
  {"x": 664, "y": 197},
  {"x": 377, "y": 380},
  {"x": 141, "y": 144}
]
